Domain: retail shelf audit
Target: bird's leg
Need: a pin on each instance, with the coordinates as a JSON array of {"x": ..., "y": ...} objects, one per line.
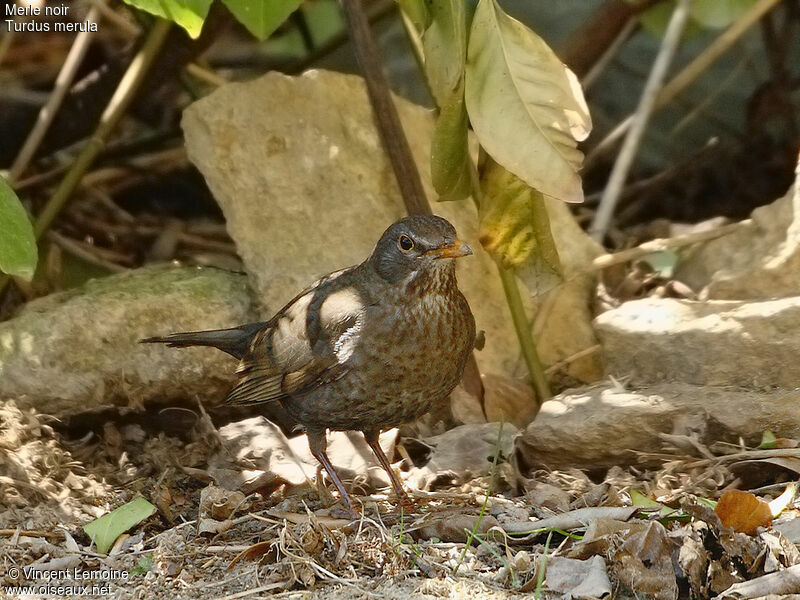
[
  {"x": 372, "y": 437},
  {"x": 318, "y": 445}
]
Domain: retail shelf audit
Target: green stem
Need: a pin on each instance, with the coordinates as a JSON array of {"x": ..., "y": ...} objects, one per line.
[
  {"x": 117, "y": 106},
  {"x": 524, "y": 334}
]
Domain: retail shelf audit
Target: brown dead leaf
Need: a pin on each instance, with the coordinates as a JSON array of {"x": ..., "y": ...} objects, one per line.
[
  {"x": 743, "y": 512},
  {"x": 255, "y": 551},
  {"x": 644, "y": 563}
]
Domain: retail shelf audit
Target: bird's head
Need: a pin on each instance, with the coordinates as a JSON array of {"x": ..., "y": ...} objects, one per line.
[{"x": 416, "y": 246}]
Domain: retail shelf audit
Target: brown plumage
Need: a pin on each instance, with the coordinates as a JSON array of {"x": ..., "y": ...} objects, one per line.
[{"x": 365, "y": 348}]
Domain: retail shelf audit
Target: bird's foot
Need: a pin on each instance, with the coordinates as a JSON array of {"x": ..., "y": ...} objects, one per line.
[
  {"x": 345, "y": 512},
  {"x": 406, "y": 505}
]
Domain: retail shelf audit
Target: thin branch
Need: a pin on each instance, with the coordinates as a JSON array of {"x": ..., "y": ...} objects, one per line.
[
  {"x": 63, "y": 82},
  {"x": 389, "y": 126},
  {"x": 609, "y": 260},
  {"x": 619, "y": 173},
  {"x": 688, "y": 74}
]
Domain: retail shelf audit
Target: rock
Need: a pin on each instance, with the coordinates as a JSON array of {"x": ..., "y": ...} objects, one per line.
[
  {"x": 306, "y": 189},
  {"x": 750, "y": 344},
  {"x": 79, "y": 349},
  {"x": 263, "y": 444},
  {"x": 463, "y": 453},
  {"x": 603, "y": 426},
  {"x": 760, "y": 260}
]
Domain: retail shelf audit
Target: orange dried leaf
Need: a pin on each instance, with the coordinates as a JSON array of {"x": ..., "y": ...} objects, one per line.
[{"x": 743, "y": 512}]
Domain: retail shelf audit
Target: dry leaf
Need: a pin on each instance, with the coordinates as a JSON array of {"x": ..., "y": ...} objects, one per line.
[{"x": 743, "y": 512}]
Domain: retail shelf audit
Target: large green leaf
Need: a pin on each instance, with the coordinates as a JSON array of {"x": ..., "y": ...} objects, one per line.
[
  {"x": 18, "y": 252},
  {"x": 105, "y": 530},
  {"x": 445, "y": 47},
  {"x": 525, "y": 106},
  {"x": 189, "y": 14},
  {"x": 262, "y": 17},
  {"x": 515, "y": 228}
]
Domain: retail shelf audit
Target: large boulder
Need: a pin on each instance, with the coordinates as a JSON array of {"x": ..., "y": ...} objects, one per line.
[
  {"x": 749, "y": 344},
  {"x": 80, "y": 349}
]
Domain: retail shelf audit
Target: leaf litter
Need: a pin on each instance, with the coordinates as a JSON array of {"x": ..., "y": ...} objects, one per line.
[{"x": 488, "y": 530}]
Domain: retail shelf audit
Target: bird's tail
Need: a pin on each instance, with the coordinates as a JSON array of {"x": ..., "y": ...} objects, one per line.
[{"x": 235, "y": 341}]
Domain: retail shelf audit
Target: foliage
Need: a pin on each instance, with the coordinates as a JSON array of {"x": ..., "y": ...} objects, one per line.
[
  {"x": 18, "y": 252},
  {"x": 260, "y": 17},
  {"x": 528, "y": 113},
  {"x": 526, "y": 107},
  {"x": 109, "y": 527},
  {"x": 189, "y": 14}
]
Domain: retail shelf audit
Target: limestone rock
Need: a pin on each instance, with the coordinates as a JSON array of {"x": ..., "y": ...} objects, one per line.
[
  {"x": 79, "y": 349},
  {"x": 749, "y": 344},
  {"x": 760, "y": 260},
  {"x": 300, "y": 174},
  {"x": 603, "y": 425}
]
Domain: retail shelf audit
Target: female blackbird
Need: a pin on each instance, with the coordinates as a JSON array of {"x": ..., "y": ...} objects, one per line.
[{"x": 365, "y": 348}]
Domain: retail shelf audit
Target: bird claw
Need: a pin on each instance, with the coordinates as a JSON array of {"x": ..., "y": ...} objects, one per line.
[{"x": 343, "y": 512}]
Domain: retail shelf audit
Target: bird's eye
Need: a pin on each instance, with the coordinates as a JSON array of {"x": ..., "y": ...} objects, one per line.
[{"x": 406, "y": 243}]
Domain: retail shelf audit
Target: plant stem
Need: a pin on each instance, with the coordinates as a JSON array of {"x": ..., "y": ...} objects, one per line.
[
  {"x": 524, "y": 335},
  {"x": 123, "y": 96}
]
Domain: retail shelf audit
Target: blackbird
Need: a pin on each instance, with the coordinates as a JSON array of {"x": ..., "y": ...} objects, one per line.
[{"x": 365, "y": 348}]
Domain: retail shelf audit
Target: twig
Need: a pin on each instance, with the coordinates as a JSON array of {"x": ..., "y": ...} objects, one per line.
[
  {"x": 554, "y": 368},
  {"x": 32, "y": 533},
  {"x": 117, "y": 106},
  {"x": 611, "y": 52},
  {"x": 63, "y": 82},
  {"x": 657, "y": 245},
  {"x": 688, "y": 74},
  {"x": 619, "y": 173},
  {"x": 86, "y": 252},
  {"x": 389, "y": 127}
]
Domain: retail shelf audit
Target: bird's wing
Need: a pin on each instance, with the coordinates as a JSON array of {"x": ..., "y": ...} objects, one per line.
[{"x": 304, "y": 346}]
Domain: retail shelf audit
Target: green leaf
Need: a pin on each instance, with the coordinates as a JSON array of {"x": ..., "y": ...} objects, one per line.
[
  {"x": 106, "y": 529},
  {"x": 515, "y": 228},
  {"x": 18, "y": 251},
  {"x": 262, "y": 17},
  {"x": 417, "y": 11},
  {"x": 662, "y": 262},
  {"x": 525, "y": 106},
  {"x": 450, "y": 161},
  {"x": 445, "y": 48},
  {"x": 768, "y": 440},
  {"x": 189, "y": 14},
  {"x": 718, "y": 14}
]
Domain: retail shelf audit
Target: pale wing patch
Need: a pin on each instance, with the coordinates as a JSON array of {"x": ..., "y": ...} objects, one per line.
[{"x": 344, "y": 306}]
